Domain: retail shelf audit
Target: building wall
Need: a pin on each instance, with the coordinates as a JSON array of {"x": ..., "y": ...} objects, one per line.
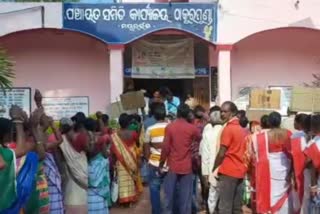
[
  {"x": 61, "y": 63},
  {"x": 249, "y": 16},
  {"x": 239, "y": 19},
  {"x": 285, "y": 57},
  {"x": 12, "y": 19}
]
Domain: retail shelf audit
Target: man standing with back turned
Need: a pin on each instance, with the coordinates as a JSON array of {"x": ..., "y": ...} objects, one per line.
[
  {"x": 179, "y": 138},
  {"x": 230, "y": 161}
]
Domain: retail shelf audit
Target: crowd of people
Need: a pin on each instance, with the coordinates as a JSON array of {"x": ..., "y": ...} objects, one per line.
[{"x": 81, "y": 165}]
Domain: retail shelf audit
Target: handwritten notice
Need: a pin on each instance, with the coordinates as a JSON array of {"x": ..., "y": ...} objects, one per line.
[
  {"x": 15, "y": 96},
  {"x": 122, "y": 23},
  {"x": 59, "y": 107}
]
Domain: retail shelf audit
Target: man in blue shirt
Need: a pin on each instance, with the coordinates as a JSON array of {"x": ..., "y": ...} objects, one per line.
[{"x": 171, "y": 102}]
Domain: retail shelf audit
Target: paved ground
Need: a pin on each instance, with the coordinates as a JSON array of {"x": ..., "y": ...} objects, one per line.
[{"x": 141, "y": 207}]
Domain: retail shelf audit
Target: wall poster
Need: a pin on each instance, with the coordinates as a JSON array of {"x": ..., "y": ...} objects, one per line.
[
  {"x": 59, "y": 107},
  {"x": 20, "y": 96}
]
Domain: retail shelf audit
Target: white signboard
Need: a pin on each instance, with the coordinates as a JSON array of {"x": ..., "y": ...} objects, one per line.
[
  {"x": 15, "y": 96},
  {"x": 163, "y": 59},
  {"x": 242, "y": 101},
  {"x": 59, "y": 107}
]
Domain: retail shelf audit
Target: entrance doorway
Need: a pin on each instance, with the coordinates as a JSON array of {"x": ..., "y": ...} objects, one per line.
[
  {"x": 179, "y": 87},
  {"x": 198, "y": 87}
]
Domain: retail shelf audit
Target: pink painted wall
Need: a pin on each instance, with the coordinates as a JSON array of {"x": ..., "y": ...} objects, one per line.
[
  {"x": 284, "y": 57},
  {"x": 60, "y": 64}
]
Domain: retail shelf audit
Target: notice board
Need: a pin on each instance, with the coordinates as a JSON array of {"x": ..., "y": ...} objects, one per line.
[
  {"x": 59, "y": 107},
  {"x": 15, "y": 96}
]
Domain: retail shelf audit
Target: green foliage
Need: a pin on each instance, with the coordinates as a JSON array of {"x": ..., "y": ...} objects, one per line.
[
  {"x": 113, "y": 124},
  {"x": 6, "y": 70}
]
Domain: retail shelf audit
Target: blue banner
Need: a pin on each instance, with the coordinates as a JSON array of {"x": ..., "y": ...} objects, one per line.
[{"x": 123, "y": 23}]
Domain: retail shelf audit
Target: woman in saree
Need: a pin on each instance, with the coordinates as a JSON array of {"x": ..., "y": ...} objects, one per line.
[
  {"x": 123, "y": 148},
  {"x": 38, "y": 202},
  {"x": 273, "y": 168},
  {"x": 135, "y": 125},
  {"x": 299, "y": 142},
  {"x": 50, "y": 167},
  {"x": 74, "y": 147},
  {"x": 18, "y": 181},
  {"x": 313, "y": 155},
  {"x": 99, "y": 177}
]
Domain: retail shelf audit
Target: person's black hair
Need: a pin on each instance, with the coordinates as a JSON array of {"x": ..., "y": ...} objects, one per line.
[
  {"x": 214, "y": 108},
  {"x": 232, "y": 107},
  {"x": 198, "y": 108},
  {"x": 90, "y": 124},
  {"x": 124, "y": 120},
  {"x": 79, "y": 120},
  {"x": 274, "y": 119},
  {"x": 6, "y": 126},
  {"x": 241, "y": 113},
  {"x": 164, "y": 91},
  {"x": 105, "y": 119},
  {"x": 183, "y": 111},
  {"x": 160, "y": 112},
  {"x": 153, "y": 106},
  {"x": 264, "y": 122},
  {"x": 300, "y": 119},
  {"x": 307, "y": 124},
  {"x": 79, "y": 117},
  {"x": 243, "y": 122},
  {"x": 136, "y": 118},
  {"x": 315, "y": 123}
]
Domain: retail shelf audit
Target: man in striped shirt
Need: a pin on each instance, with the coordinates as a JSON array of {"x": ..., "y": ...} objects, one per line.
[{"x": 154, "y": 137}]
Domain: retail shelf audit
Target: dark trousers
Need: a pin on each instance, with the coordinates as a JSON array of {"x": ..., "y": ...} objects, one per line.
[
  {"x": 230, "y": 198},
  {"x": 183, "y": 193}
]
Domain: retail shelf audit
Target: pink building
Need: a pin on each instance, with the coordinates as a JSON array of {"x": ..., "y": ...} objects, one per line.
[{"x": 257, "y": 44}]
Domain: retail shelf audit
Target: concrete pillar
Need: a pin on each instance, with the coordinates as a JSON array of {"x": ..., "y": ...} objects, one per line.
[
  {"x": 224, "y": 73},
  {"x": 116, "y": 66}
]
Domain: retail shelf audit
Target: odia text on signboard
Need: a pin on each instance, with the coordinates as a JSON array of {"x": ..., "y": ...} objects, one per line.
[
  {"x": 59, "y": 107},
  {"x": 15, "y": 96},
  {"x": 123, "y": 23}
]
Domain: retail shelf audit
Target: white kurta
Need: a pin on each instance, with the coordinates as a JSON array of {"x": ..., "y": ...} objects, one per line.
[{"x": 209, "y": 146}]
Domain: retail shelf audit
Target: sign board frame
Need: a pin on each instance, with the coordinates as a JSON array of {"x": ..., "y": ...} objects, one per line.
[
  {"x": 30, "y": 98},
  {"x": 68, "y": 97},
  {"x": 122, "y": 23}
]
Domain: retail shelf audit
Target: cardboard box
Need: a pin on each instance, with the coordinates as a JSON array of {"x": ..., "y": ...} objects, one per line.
[
  {"x": 305, "y": 99},
  {"x": 132, "y": 100},
  {"x": 265, "y": 99}
]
